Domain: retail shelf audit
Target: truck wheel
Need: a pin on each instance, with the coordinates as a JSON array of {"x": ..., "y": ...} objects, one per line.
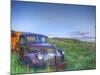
[{"x": 28, "y": 62}]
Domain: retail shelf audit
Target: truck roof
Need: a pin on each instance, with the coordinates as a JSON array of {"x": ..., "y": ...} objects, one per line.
[{"x": 30, "y": 34}]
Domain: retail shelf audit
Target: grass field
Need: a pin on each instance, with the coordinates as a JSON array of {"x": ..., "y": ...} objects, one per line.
[{"x": 78, "y": 56}]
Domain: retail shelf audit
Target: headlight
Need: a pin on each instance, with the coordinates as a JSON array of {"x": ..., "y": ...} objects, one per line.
[
  {"x": 62, "y": 52},
  {"x": 40, "y": 56}
]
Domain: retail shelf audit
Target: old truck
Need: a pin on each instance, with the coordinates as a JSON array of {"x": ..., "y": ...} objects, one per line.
[{"x": 34, "y": 50}]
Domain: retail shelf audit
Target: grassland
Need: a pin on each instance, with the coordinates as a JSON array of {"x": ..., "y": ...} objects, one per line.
[{"x": 78, "y": 56}]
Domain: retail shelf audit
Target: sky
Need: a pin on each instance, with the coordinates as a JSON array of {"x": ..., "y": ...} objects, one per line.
[{"x": 54, "y": 20}]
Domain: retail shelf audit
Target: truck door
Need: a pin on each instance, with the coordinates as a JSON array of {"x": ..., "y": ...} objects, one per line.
[{"x": 22, "y": 46}]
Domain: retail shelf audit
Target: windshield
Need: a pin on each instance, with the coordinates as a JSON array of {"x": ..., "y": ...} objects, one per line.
[
  {"x": 42, "y": 39},
  {"x": 39, "y": 39},
  {"x": 31, "y": 39}
]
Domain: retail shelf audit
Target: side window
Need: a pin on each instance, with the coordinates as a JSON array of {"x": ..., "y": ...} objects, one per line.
[{"x": 22, "y": 41}]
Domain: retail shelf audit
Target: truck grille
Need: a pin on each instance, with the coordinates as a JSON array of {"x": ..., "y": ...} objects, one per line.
[{"x": 49, "y": 59}]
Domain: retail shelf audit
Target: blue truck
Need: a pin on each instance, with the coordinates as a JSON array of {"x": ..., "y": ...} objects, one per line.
[{"x": 35, "y": 51}]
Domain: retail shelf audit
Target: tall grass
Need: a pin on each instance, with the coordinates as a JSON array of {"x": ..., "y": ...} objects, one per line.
[{"x": 78, "y": 56}]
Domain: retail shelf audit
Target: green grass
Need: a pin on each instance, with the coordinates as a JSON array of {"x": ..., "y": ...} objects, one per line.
[
  {"x": 78, "y": 56},
  {"x": 18, "y": 68}
]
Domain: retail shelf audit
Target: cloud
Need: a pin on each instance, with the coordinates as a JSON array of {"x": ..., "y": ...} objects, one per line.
[
  {"x": 79, "y": 33},
  {"x": 84, "y": 36}
]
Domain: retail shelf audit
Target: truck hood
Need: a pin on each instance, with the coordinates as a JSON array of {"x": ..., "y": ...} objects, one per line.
[{"x": 47, "y": 45}]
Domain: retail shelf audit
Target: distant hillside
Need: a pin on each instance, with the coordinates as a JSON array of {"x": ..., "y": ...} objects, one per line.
[{"x": 64, "y": 39}]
